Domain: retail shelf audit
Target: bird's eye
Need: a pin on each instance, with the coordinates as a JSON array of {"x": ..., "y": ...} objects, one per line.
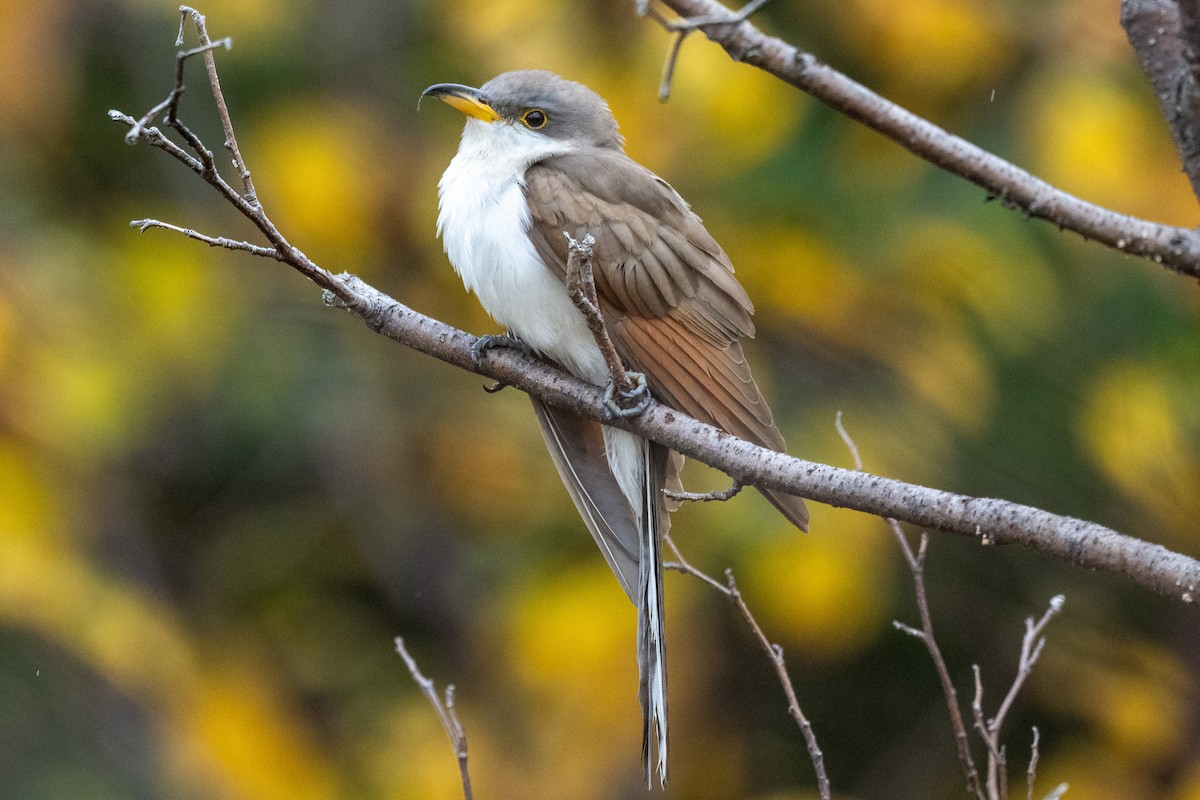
[{"x": 534, "y": 119}]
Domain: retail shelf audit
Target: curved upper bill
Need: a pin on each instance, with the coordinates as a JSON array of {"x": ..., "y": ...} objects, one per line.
[{"x": 466, "y": 99}]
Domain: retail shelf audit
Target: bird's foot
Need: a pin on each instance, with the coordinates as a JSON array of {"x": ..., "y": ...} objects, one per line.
[
  {"x": 491, "y": 341},
  {"x": 625, "y": 403}
]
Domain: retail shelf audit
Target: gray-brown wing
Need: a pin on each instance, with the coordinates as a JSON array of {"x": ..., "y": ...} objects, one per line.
[
  {"x": 576, "y": 445},
  {"x": 667, "y": 290}
]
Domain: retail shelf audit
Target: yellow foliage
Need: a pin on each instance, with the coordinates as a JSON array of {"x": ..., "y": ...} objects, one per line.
[
  {"x": 1129, "y": 690},
  {"x": 935, "y": 47},
  {"x": 1090, "y": 772},
  {"x": 1003, "y": 285},
  {"x": 76, "y": 396},
  {"x": 178, "y": 305},
  {"x": 728, "y": 118},
  {"x": 576, "y": 633},
  {"x": 1133, "y": 426},
  {"x": 410, "y": 757},
  {"x": 257, "y": 748},
  {"x": 1189, "y": 784},
  {"x": 826, "y": 594},
  {"x": 512, "y": 486},
  {"x": 325, "y": 167},
  {"x": 1091, "y": 136},
  {"x": 27, "y": 507}
]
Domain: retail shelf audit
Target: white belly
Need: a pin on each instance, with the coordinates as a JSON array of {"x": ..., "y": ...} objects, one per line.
[{"x": 484, "y": 221}]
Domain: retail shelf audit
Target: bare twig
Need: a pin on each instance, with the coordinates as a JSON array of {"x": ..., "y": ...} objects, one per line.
[
  {"x": 916, "y": 567},
  {"x": 774, "y": 653},
  {"x": 995, "y": 751},
  {"x": 144, "y": 225},
  {"x": 171, "y": 103},
  {"x": 210, "y": 64},
  {"x": 1075, "y": 541},
  {"x": 1031, "y": 771},
  {"x": 581, "y": 287},
  {"x": 720, "y": 495},
  {"x": 1057, "y": 792},
  {"x": 1031, "y": 650},
  {"x": 989, "y": 729},
  {"x": 1173, "y": 247},
  {"x": 445, "y": 712},
  {"x": 628, "y": 393},
  {"x": 684, "y": 28}
]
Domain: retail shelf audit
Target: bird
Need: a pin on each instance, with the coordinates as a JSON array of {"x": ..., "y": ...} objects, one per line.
[{"x": 541, "y": 156}]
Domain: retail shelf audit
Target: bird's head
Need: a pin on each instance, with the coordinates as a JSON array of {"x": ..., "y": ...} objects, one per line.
[{"x": 539, "y": 103}]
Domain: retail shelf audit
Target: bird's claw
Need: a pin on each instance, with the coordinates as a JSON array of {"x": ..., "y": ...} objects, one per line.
[
  {"x": 616, "y": 401},
  {"x": 490, "y": 341}
]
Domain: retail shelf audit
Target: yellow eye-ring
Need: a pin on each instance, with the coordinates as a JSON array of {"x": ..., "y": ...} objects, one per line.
[{"x": 534, "y": 119}]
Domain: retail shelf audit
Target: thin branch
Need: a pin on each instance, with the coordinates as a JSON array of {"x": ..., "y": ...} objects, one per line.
[
  {"x": 1057, "y": 792},
  {"x": 144, "y": 225},
  {"x": 1031, "y": 650},
  {"x": 1076, "y": 541},
  {"x": 774, "y": 653},
  {"x": 719, "y": 495},
  {"x": 581, "y": 287},
  {"x": 989, "y": 729},
  {"x": 1176, "y": 248},
  {"x": 1034, "y": 757},
  {"x": 210, "y": 64},
  {"x": 916, "y": 567},
  {"x": 445, "y": 712},
  {"x": 995, "y": 751}
]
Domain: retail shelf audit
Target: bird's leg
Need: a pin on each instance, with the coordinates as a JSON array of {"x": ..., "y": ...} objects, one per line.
[
  {"x": 627, "y": 394},
  {"x": 719, "y": 495}
]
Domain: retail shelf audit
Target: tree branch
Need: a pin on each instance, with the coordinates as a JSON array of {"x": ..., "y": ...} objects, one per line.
[
  {"x": 1176, "y": 248},
  {"x": 991, "y": 521},
  {"x": 1164, "y": 36}
]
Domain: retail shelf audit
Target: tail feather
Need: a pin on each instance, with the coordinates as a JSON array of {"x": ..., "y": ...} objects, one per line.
[{"x": 651, "y": 641}]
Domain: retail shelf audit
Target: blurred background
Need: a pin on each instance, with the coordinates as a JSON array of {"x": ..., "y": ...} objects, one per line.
[{"x": 220, "y": 500}]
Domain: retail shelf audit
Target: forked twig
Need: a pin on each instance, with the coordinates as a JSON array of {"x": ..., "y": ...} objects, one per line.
[
  {"x": 682, "y": 28},
  {"x": 212, "y": 241},
  {"x": 445, "y": 712},
  {"x": 774, "y": 653},
  {"x": 1031, "y": 649},
  {"x": 210, "y": 65}
]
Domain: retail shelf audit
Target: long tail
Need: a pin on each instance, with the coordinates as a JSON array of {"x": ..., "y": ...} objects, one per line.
[{"x": 651, "y": 641}]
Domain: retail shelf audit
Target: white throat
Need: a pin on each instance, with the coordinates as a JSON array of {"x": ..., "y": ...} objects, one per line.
[{"x": 484, "y": 221}]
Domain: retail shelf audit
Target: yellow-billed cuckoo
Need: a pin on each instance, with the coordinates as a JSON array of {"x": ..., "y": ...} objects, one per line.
[{"x": 541, "y": 156}]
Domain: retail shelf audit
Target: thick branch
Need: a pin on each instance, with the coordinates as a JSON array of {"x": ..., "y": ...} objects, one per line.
[
  {"x": 992, "y": 521},
  {"x": 1160, "y": 36},
  {"x": 1177, "y": 248}
]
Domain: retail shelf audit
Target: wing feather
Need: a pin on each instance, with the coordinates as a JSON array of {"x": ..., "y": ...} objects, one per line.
[{"x": 673, "y": 307}]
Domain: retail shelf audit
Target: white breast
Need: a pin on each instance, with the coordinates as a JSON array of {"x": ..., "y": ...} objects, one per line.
[{"x": 484, "y": 222}]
